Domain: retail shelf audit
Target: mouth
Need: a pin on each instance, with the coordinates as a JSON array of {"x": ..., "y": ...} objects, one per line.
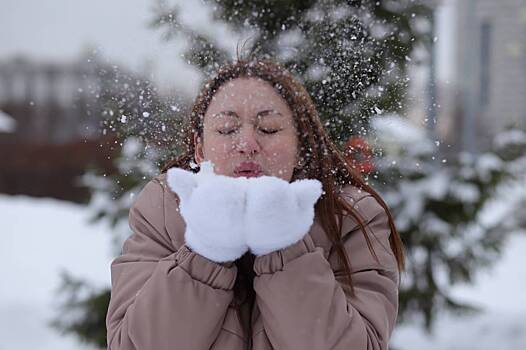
[{"x": 248, "y": 169}]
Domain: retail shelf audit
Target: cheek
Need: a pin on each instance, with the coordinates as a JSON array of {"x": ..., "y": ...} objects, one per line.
[
  {"x": 280, "y": 162},
  {"x": 281, "y": 151},
  {"x": 282, "y": 157},
  {"x": 219, "y": 151},
  {"x": 217, "y": 145}
]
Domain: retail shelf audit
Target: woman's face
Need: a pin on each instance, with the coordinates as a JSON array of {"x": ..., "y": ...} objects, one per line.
[{"x": 248, "y": 130}]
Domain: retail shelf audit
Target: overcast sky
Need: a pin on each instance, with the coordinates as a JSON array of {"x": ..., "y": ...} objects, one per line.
[{"x": 59, "y": 30}]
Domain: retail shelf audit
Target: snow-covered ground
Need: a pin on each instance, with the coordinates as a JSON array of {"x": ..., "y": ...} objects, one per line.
[
  {"x": 500, "y": 291},
  {"x": 39, "y": 237},
  {"x": 7, "y": 123}
]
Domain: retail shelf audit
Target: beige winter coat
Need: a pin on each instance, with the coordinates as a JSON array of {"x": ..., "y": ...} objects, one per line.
[{"x": 165, "y": 296}]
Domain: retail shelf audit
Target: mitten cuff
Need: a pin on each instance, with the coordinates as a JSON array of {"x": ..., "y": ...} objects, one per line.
[
  {"x": 276, "y": 260},
  {"x": 204, "y": 270}
]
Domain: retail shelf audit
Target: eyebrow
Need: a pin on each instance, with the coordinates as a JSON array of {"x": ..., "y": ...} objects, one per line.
[{"x": 259, "y": 114}]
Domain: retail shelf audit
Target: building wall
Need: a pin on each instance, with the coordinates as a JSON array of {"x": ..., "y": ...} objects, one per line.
[
  {"x": 490, "y": 69},
  {"x": 57, "y": 135},
  {"x": 51, "y": 103}
]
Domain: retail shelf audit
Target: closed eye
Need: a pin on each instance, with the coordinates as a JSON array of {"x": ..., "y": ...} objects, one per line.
[
  {"x": 269, "y": 131},
  {"x": 226, "y": 132},
  {"x": 264, "y": 131}
]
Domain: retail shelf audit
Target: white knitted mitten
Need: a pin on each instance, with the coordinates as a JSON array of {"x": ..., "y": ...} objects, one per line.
[
  {"x": 279, "y": 213},
  {"x": 213, "y": 208}
]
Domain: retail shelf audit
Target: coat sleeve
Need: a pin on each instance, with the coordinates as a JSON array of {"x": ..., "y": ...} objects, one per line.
[
  {"x": 162, "y": 297},
  {"x": 305, "y": 305}
]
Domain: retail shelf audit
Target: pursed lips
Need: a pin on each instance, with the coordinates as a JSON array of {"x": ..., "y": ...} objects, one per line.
[{"x": 248, "y": 169}]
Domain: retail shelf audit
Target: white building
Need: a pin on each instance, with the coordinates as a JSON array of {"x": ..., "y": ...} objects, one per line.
[{"x": 490, "y": 70}]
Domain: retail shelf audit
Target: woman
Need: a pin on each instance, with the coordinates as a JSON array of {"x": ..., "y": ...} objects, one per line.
[{"x": 332, "y": 286}]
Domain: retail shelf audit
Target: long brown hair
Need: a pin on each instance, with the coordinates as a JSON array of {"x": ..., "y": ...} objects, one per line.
[{"x": 322, "y": 159}]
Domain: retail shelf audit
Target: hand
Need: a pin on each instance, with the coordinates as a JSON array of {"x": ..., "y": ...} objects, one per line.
[
  {"x": 213, "y": 209},
  {"x": 279, "y": 213}
]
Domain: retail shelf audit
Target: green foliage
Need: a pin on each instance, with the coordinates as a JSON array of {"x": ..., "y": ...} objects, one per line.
[
  {"x": 147, "y": 130},
  {"x": 82, "y": 312},
  {"x": 350, "y": 55},
  {"x": 442, "y": 208}
]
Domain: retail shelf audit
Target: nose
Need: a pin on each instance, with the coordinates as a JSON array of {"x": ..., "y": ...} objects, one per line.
[{"x": 247, "y": 142}]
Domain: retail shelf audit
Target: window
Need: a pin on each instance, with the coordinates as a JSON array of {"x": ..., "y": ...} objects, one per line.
[{"x": 485, "y": 55}]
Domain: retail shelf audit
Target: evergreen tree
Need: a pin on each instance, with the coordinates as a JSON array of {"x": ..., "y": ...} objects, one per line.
[
  {"x": 350, "y": 54},
  {"x": 444, "y": 210}
]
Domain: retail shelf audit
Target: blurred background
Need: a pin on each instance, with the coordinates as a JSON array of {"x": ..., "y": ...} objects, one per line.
[{"x": 427, "y": 99}]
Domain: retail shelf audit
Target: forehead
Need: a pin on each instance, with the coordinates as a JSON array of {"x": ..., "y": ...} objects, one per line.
[{"x": 247, "y": 95}]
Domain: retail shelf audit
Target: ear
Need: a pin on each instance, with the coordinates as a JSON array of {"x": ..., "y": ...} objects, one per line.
[
  {"x": 307, "y": 192},
  {"x": 182, "y": 182},
  {"x": 198, "y": 149}
]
